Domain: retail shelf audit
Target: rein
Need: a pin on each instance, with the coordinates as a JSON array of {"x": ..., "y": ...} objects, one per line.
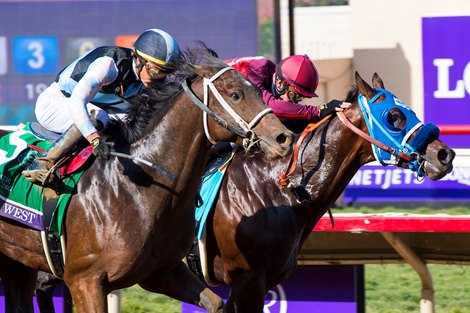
[
  {"x": 148, "y": 163},
  {"x": 243, "y": 129},
  {"x": 343, "y": 118},
  {"x": 415, "y": 160},
  {"x": 283, "y": 177}
]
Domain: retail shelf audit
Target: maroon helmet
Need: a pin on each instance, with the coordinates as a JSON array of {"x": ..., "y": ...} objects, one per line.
[{"x": 299, "y": 72}]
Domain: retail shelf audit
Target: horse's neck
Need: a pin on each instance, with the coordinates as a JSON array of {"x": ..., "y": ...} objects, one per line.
[
  {"x": 326, "y": 165},
  {"x": 177, "y": 142},
  {"x": 334, "y": 158}
]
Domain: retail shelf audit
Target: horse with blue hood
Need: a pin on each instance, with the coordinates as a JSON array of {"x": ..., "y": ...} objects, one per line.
[{"x": 267, "y": 209}]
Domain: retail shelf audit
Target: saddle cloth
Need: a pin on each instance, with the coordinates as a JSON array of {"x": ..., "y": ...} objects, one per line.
[
  {"x": 20, "y": 200},
  {"x": 211, "y": 182}
]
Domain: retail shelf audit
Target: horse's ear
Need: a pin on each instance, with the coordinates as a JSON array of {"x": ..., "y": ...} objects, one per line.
[
  {"x": 377, "y": 82},
  {"x": 204, "y": 71},
  {"x": 364, "y": 88}
]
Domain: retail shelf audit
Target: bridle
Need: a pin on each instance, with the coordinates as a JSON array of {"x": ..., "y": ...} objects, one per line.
[
  {"x": 243, "y": 129},
  {"x": 412, "y": 158},
  {"x": 401, "y": 151}
]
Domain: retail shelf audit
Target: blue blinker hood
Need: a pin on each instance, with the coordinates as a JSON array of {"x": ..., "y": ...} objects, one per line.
[{"x": 377, "y": 116}]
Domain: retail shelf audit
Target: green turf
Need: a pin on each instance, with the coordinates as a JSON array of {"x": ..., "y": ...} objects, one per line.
[
  {"x": 396, "y": 288},
  {"x": 137, "y": 300}
]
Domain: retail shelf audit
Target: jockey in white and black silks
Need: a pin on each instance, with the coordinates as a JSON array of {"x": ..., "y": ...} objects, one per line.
[{"x": 99, "y": 81}]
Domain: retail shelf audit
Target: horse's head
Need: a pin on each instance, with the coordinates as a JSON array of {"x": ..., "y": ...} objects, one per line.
[
  {"x": 403, "y": 140},
  {"x": 245, "y": 118}
]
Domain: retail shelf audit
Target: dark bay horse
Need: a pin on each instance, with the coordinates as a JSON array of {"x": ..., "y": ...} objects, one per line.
[
  {"x": 258, "y": 227},
  {"x": 128, "y": 222}
]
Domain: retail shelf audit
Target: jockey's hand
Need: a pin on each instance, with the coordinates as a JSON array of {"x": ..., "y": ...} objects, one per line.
[
  {"x": 101, "y": 148},
  {"x": 332, "y": 107}
]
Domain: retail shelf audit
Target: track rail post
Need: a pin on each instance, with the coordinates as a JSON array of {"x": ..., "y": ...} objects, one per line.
[{"x": 426, "y": 303}]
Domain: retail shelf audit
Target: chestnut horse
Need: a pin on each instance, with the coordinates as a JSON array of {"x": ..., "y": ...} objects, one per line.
[
  {"x": 258, "y": 227},
  {"x": 128, "y": 222}
]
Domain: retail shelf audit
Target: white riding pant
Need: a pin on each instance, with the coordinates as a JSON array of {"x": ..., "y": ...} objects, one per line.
[{"x": 52, "y": 113}]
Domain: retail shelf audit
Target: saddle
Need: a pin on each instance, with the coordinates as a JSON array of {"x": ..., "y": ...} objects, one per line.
[
  {"x": 41, "y": 132},
  {"x": 70, "y": 162}
]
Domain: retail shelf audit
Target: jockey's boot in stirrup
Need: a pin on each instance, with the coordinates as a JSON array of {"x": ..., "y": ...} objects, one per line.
[{"x": 38, "y": 171}]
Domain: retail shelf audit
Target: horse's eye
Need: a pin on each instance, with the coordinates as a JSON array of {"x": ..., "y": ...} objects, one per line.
[
  {"x": 396, "y": 119},
  {"x": 235, "y": 96}
]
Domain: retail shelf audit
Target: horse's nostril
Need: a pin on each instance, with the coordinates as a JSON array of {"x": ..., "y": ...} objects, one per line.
[
  {"x": 445, "y": 156},
  {"x": 281, "y": 139},
  {"x": 284, "y": 138}
]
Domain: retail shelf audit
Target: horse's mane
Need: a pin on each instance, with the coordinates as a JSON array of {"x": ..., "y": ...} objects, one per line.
[
  {"x": 159, "y": 94},
  {"x": 352, "y": 94}
]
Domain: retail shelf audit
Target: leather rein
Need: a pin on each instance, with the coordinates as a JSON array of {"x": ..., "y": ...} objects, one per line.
[{"x": 284, "y": 176}]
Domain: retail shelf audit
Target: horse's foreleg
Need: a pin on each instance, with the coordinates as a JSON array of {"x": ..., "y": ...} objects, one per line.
[
  {"x": 87, "y": 293},
  {"x": 44, "y": 291},
  {"x": 247, "y": 293},
  {"x": 181, "y": 284},
  {"x": 19, "y": 282}
]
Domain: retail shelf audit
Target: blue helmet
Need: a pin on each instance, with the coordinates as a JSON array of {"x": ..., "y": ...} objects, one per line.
[{"x": 159, "y": 47}]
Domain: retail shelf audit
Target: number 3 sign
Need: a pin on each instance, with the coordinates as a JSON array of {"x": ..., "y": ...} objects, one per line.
[{"x": 35, "y": 55}]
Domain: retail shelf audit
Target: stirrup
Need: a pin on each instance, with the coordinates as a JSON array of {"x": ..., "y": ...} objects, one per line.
[
  {"x": 37, "y": 173},
  {"x": 40, "y": 177}
]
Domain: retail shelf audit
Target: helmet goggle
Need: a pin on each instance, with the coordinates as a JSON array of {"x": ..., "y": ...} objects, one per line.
[
  {"x": 154, "y": 71},
  {"x": 294, "y": 95},
  {"x": 151, "y": 66}
]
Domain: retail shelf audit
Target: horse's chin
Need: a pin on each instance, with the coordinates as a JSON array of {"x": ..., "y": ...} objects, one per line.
[
  {"x": 273, "y": 153},
  {"x": 436, "y": 173}
]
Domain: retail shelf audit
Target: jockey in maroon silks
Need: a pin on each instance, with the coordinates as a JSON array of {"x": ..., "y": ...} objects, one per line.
[{"x": 284, "y": 85}]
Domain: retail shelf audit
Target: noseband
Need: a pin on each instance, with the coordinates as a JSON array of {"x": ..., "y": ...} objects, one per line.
[{"x": 243, "y": 129}]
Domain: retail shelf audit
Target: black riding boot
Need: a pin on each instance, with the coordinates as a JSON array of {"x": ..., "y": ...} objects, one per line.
[{"x": 38, "y": 171}]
